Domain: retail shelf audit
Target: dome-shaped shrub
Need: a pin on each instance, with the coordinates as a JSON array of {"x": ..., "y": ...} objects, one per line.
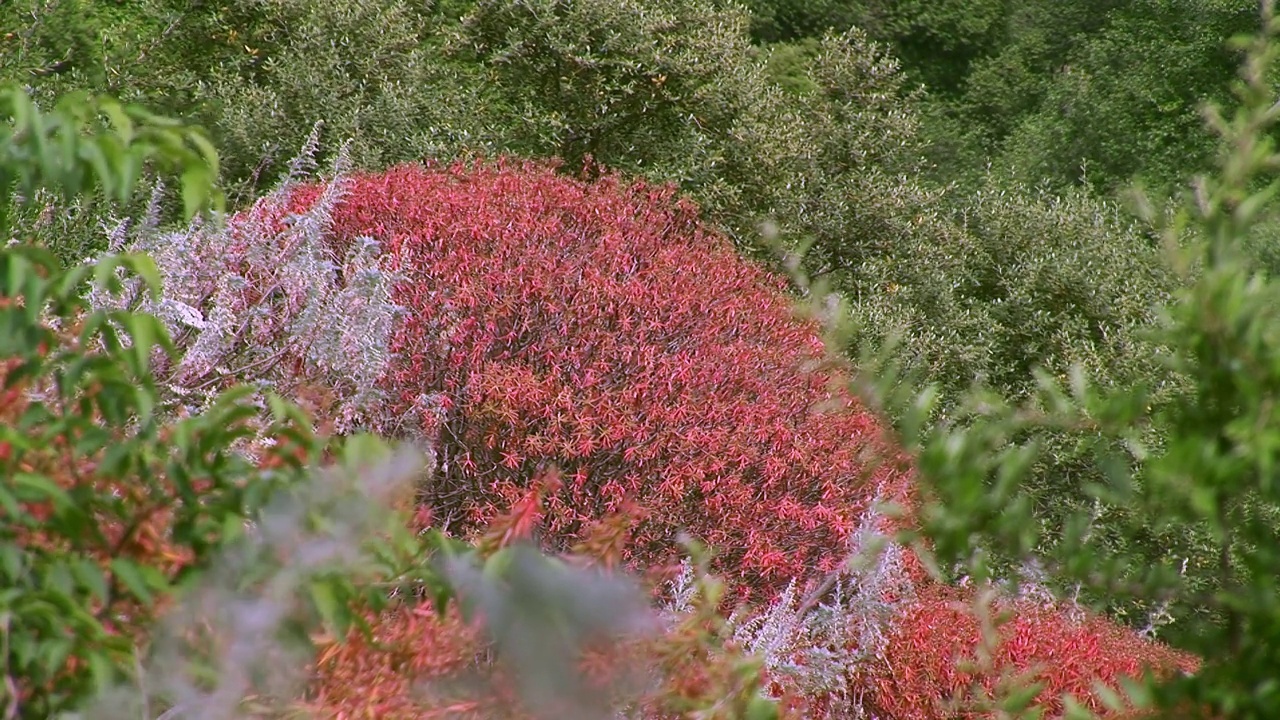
[{"x": 600, "y": 327}]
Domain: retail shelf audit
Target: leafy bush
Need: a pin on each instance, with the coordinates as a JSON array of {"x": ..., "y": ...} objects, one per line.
[
  {"x": 544, "y": 312},
  {"x": 679, "y": 95},
  {"x": 1022, "y": 284},
  {"x": 112, "y": 507},
  {"x": 58, "y": 169},
  {"x": 832, "y": 161},
  {"x": 50, "y": 151},
  {"x": 373, "y": 72},
  {"x": 1146, "y": 70},
  {"x": 278, "y": 325}
]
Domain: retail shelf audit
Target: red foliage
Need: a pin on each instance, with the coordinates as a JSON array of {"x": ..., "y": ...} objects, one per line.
[
  {"x": 939, "y": 631},
  {"x": 601, "y": 328},
  {"x": 405, "y": 672}
]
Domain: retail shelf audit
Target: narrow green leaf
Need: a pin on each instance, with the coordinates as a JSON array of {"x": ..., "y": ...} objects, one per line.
[
  {"x": 1020, "y": 699},
  {"x": 133, "y": 578},
  {"x": 91, "y": 577},
  {"x": 145, "y": 333},
  {"x": 119, "y": 119},
  {"x": 335, "y": 614},
  {"x": 207, "y": 152},
  {"x": 197, "y": 184},
  {"x": 38, "y": 488},
  {"x": 144, "y": 267},
  {"x": 9, "y": 503},
  {"x": 91, "y": 153}
]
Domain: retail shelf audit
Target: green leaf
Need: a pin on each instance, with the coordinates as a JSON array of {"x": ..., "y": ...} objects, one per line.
[
  {"x": 9, "y": 503},
  {"x": 119, "y": 119},
  {"x": 134, "y": 579},
  {"x": 207, "y": 152},
  {"x": 91, "y": 577},
  {"x": 145, "y": 267},
  {"x": 145, "y": 333},
  {"x": 335, "y": 614},
  {"x": 232, "y": 528},
  {"x": 761, "y": 708},
  {"x": 31, "y": 487},
  {"x": 17, "y": 276},
  {"x": 1020, "y": 699},
  {"x": 12, "y": 561},
  {"x": 441, "y": 593},
  {"x": 197, "y": 184},
  {"x": 92, "y": 154},
  {"x": 104, "y": 274}
]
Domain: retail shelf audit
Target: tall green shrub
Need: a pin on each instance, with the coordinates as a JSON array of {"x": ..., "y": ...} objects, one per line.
[{"x": 1208, "y": 492}]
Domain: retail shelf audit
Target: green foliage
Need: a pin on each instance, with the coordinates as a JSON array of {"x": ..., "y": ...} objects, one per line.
[
  {"x": 820, "y": 135},
  {"x": 623, "y": 82},
  {"x": 73, "y": 151},
  {"x": 1096, "y": 92},
  {"x": 109, "y": 508},
  {"x": 817, "y": 137},
  {"x": 86, "y": 461},
  {"x": 1145, "y": 72},
  {"x": 51, "y": 39},
  {"x": 1207, "y": 493},
  {"x": 128, "y": 50},
  {"x": 374, "y": 74},
  {"x": 88, "y": 465},
  {"x": 1012, "y": 280},
  {"x": 787, "y": 63},
  {"x": 677, "y": 93},
  {"x": 1013, "y": 283},
  {"x": 152, "y": 562},
  {"x": 936, "y": 41},
  {"x": 261, "y": 74},
  {"x": 791, "y": 20}
]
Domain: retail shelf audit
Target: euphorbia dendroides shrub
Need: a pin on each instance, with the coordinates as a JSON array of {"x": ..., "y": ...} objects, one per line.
[
  {"x": 1059, "y": 646},
  {"x": 602, "y": 328}
]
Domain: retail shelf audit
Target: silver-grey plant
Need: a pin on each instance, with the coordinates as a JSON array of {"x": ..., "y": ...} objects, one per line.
[{"x": 248, "y": 301}]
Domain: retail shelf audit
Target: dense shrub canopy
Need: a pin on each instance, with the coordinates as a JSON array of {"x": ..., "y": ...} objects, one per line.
[
  {"x": 535, "y": 320},
  {"x": 601, "y": 328}
]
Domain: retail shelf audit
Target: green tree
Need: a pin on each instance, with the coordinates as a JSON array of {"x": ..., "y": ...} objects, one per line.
[
  {"x": 1065, "y": 93},
  {"x": 1124, "y": 103},
  {"x": 1208, "y": 490}
]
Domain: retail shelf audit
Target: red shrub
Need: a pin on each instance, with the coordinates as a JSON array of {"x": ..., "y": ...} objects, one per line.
[
  {"x": 939, "y": 631},
  {"x": 602, "y": 328},
  {"x": 407, "y": 674}
]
